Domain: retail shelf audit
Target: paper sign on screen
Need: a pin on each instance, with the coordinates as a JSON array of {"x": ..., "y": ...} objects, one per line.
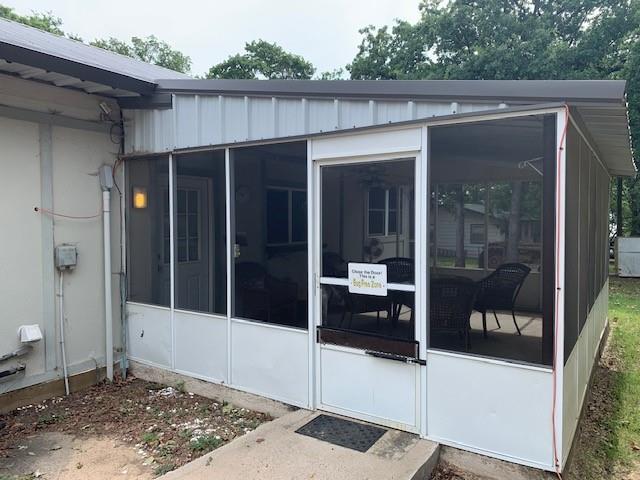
[{"x": 368, "y": 279}]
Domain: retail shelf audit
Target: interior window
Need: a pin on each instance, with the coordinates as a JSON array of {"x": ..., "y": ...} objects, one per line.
[
  {"x": 288, "y": 210},
  {"x": 382, "y": 205}
]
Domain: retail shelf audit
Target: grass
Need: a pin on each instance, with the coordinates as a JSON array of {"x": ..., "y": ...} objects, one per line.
[
  {"x": 608, "y": 445},
  {"x": 624, "y": 312},
  {"x": 150, "y": 438}
]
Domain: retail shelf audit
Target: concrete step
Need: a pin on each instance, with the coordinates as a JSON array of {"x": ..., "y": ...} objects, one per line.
[
  {"x": 480, "y": 467},
  {"x": 275, "y": 451}
]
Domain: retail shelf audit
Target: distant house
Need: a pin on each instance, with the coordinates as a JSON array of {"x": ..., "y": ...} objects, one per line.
[{"x": 274, "y": 237}]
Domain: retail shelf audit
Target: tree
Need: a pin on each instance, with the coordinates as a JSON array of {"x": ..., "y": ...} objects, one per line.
[
  {"x": 515, "y": 39},
  {"x": 42, "y": 21},
  {"x": 336, "y": 74},
  {"x": 150, "y": 50},
  {"x": 263, "y": 60}
]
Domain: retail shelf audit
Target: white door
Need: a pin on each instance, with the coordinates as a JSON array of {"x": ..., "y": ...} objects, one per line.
[
  {"x": 193, "y": 244},
  {"x": 368, "y": 352}
]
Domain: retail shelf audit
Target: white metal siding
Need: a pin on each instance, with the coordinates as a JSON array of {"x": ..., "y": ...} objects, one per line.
[
  {"x": 490, "y": 407},
  {"x": 202, "y": 120},
  {"x": 579, "y": 366}
]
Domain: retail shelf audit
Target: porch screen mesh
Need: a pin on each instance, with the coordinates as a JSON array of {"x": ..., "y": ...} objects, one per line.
[
  {"x": 572, "y": 236},
  {"x": 587, "y": 235}
]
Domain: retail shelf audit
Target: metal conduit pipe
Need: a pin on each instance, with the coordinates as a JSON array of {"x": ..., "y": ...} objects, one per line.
[
  {"x": 106, "y": 183},
  {"x": 64, "y": 355}
]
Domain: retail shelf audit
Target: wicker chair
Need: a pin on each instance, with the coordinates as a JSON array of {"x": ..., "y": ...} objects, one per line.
[
  {"x": 450, "y": 306},
  {"x": 355, "y": 303},
  {"x": 401, "y": 270},
  {"x": 499, "y": 291}
]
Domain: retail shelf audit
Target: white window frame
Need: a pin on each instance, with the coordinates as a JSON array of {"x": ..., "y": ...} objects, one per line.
[
  {"x": 289, "y": 191},
  {"x": 386, "y": 210}
]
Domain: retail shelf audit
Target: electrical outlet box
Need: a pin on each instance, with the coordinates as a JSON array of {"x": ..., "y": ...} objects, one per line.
[
  {"x": 66, "y": 257},
  {"x": 105, "y": 175}
]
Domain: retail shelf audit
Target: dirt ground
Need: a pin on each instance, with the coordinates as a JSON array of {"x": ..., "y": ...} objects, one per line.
[
  {"x": 130, "y": 429},
  {"x": 445, "y": 472}
]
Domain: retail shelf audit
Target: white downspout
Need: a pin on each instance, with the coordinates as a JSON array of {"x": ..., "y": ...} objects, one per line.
[
  {"x": 62, "y": 346},
  {"x": 106, "y": 182},
  {"x": 108, "y": 314}
]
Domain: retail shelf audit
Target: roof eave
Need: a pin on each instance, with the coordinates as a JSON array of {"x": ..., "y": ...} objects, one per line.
[{"x": 13, "y": 53}]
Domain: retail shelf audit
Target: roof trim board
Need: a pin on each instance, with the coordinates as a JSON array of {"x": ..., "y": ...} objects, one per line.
[{"x": 514, "y": 91}]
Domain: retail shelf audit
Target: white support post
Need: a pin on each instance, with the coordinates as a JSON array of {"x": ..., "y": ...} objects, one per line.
[
  {"x": 312, "y": 274},
  {"x": 230, "y": 236},
  {"x": 422, "y": 273},
  {"x": 561, "y": 145},
  {"x": 172, "y": 263}
]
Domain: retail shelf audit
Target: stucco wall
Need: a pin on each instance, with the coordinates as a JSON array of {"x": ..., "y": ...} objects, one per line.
[
  {"x": 44, "y": 163},
  {"x": 21, "y": 252}
]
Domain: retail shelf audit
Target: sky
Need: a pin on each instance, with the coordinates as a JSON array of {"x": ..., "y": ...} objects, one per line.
[{"x": 325, "y": 32}]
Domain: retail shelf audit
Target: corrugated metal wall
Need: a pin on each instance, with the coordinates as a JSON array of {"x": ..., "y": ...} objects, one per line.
[{"x": 201, "y": 120}]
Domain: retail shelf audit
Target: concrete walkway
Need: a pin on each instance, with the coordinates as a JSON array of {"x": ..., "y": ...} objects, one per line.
[{"x": 275, "y": 451}]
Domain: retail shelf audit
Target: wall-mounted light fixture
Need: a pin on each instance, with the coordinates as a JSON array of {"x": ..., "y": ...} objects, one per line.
[{"x": 139, "y": 197}]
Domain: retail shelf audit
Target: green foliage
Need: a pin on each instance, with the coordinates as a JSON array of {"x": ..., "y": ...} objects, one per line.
[
  {"x": 263, "y": 60},
  {"x": 498, "y": 39},
  {"x": 49, "y": 419},
  {"x": 150, "y": 50},
  {"x": 150, "y": 438},
  {"x": 206, "y": 443},
  {"x": 336, "y": 74},
  {"x": 43, "y": 21}
]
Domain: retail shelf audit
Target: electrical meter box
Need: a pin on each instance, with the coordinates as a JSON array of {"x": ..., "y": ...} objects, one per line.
[{"x": 66, "y": 257}]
